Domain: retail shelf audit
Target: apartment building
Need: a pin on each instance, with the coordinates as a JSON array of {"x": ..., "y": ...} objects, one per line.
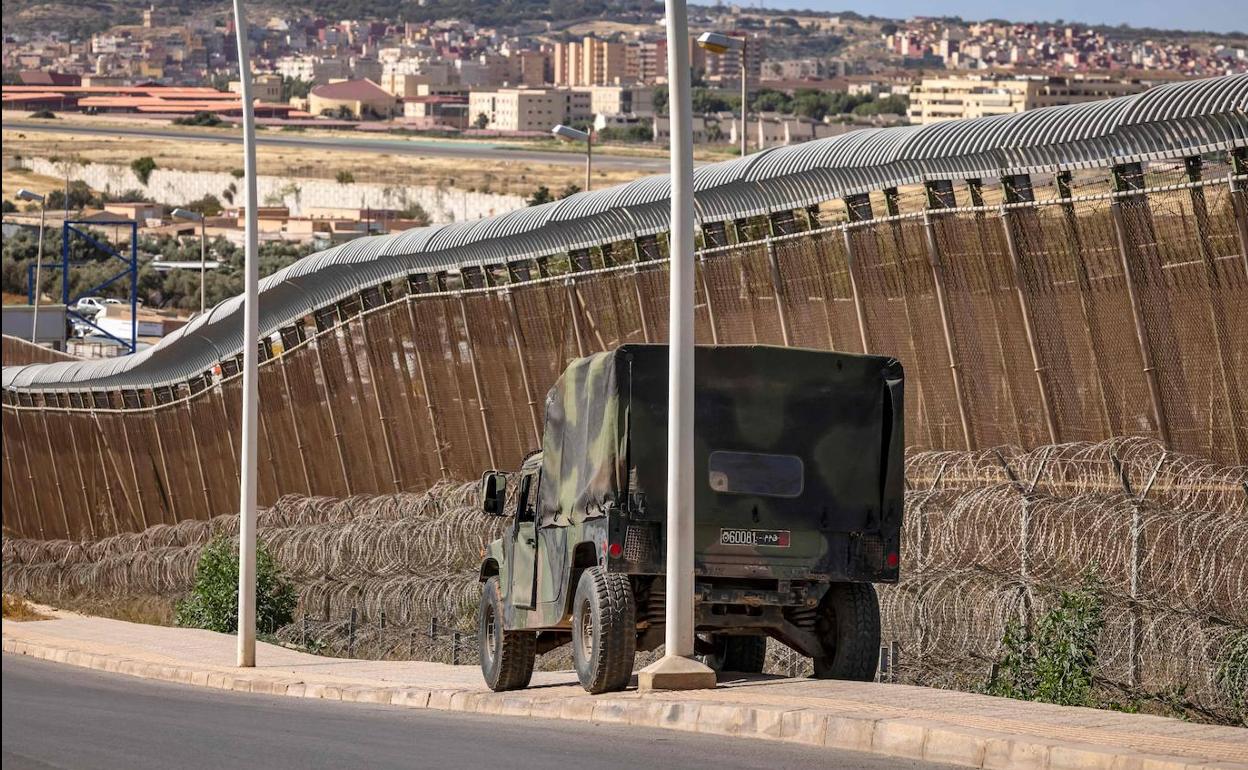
[
  {"x": 529, "y": 109},
  {"x": 590, "y": 62},
  {"x": 937, "y": 99}
]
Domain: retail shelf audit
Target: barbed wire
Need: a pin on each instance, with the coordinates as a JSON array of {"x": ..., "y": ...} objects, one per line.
[{"x": 989, "y": 538}]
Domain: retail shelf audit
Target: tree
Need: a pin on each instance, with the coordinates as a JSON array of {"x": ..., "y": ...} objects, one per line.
[
  {"x": 208, "y": 206},
  {"x": 482, "y": 121},
  {"x": 569, "y": 191},
  {"x": 540, "y": 195},
  {"x": 143, "y": 168},
  {"x": 213, "y": 601},
  {"x": 417, "y": 213}
]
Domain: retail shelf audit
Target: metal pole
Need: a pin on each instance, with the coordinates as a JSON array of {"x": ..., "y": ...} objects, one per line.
[
  {"x": 938, "y": 283},
  {"x": 677, "y": 669},
  {"x": 1024, "y": 309},
  {"x": 679, "y": 631},
  {"x": 589, "y": 158},
  {"x": 203, "y": 259},
  {"x": 34, "y": 316},
  {"x": 251, "y": 394},
  {"x": 1141, "y": 331},
  {"x": 851, "y": 260},
  {"x": 744, "y": 99},
  {"x": 777, "y": 288}
]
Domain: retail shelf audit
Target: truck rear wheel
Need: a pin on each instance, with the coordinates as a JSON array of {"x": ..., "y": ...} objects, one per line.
[
  {"x": 506, "y": 656},
  {"x": 848, "y": 626},
  {"x": 604, "y": 630},
  {"x": 743, "y": 654}
]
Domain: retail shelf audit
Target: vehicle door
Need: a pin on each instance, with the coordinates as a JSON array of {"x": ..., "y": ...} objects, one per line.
[{"x": 523, "y": 557}]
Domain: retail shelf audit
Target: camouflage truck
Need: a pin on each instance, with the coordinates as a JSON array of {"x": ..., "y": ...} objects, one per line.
[{"x": 798, "y": 507}]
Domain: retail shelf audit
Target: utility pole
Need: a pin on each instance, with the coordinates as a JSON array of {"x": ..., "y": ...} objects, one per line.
[
  {"x": 248, "y": 470},
  {"x": 677, "y": 670}
]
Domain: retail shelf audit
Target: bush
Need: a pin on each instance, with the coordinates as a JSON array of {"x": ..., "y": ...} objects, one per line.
[
  {"x": 1231, "y": 678},
  {"x": 213, "y": 602},
  {"x": 199, "y": 119},
  {"x": 345, "y": 177},
  {"x": 1055, "y": 664},
  {"x": 417, "y": 213},
  {"x": 143, "y": 168},
  {"x": 43, "y": 114}
]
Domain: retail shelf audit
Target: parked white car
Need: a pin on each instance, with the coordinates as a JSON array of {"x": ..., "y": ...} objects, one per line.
[{"x": 91, "y": 306}]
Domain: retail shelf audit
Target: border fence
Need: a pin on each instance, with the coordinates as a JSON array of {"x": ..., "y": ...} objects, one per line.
[
  {"x": 1030, "y": 311},
  {"x": 990, "y": 537}
]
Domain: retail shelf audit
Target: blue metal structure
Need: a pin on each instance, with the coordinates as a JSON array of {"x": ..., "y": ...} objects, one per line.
[{"x": 77, "y": 227}]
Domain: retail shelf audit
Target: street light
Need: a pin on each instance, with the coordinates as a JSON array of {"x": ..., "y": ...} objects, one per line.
[
  {"x": 251, "y": 349},
  {"x": 576, "y": 135},
  {"x": 677, "y": 670},
  {"x": 718, "y": 43},
  {"x": 193, "y": 216},
  {"x": 27, "y": 195}
]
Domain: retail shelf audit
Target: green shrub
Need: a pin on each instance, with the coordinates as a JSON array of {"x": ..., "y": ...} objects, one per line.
[
  {"x": 1054, "y": 663},
  {"x": 202, "y": 118},
  {"x": 44, "y": 114},
  {"x": 345, "y": 177},
  {"x": 213, "y": 602},
  {"x": 1231, "y": 677},
  {"x": 143, "y": 168}
]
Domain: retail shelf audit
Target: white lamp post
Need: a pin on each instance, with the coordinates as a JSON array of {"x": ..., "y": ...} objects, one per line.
[
  {"x": 251, "y": 393},
  {"x": 192, "y": 216},
  {"x": 27, "y": 195},
  {"x": 576, "y": 135},
  {"x": 718, "y": 43},
  {"x": 677, "y": 670}
]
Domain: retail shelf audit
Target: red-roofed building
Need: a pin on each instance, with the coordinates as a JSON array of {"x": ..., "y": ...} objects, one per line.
[{"x": 362, "y": 98}]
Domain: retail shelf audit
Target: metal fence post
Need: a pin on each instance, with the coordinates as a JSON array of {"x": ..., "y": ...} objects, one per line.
[
  {"x": 386, "y": 440},
  {"x": 575, "y": 317},
  {"x": 777, "y": 288},
  {"x": 454, "y": 648},
  {"x": 476, "y": 381},
  {"x": 424, "y": 386},
  {"x": 1024, "y": 309},
  {"x": 333, "y": 420},
  {"x": 641, "y": 306},
  {"x": 517, "y": 338},
  {"x": 351, "y": 634},
  {"x": 938, "y": 282},
  {"x": 294, "y": 422},
  {"x": 851, "y": 260},
  {"x": 1217, "y": 311},
  {"x": 1141, "y": 331},
  {"x": 710, "y": 306}
]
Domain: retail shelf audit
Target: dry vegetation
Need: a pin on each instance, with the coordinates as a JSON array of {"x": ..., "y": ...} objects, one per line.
[{"x": 19, "y": 610}]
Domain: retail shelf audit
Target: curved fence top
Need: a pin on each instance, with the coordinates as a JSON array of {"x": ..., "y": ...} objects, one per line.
[{"x": 1169, "y": 121}]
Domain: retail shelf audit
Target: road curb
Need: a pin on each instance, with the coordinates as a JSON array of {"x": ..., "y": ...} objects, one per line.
[{"x": 904, "y": 738}]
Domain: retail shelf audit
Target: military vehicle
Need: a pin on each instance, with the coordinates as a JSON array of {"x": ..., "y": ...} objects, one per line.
[{"x": 798, "y": 507}]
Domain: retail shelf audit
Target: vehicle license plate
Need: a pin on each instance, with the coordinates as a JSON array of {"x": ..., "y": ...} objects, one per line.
[{"x": 772, "y": 538}]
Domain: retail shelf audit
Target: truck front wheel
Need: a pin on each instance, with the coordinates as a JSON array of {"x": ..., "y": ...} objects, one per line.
[
  {"x": 604, "y": 630},
  {"x": 506, "y": 656},
  {"x": 848, "y": 626}
]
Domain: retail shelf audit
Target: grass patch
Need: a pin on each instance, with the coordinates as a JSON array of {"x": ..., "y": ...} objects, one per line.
[{"x": 18, "y": 609}]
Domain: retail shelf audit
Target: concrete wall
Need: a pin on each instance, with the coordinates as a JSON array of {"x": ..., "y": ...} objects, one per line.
[{"x": 176, "y": 188}]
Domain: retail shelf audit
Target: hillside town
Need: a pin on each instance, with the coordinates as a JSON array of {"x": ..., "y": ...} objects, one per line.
[{"x": 452, "y": 75}]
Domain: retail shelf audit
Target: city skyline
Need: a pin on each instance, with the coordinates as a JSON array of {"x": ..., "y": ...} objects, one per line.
[{"x": 1219, "y": 16}]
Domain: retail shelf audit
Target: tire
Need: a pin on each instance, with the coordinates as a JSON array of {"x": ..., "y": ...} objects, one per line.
[
  {"x": 506, "y": 656},
  {"x": 741, "y": 654},
  {"x": 604, "y": 630},
  {"x": 848, "y": 626}
]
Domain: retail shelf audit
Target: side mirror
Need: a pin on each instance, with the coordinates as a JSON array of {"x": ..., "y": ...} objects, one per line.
[{"x": 493, "y": 493}]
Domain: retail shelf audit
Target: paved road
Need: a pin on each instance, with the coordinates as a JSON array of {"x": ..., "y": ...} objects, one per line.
[
  {"x": 422, "y": 147},
  {"x": 59, "y": 716}
]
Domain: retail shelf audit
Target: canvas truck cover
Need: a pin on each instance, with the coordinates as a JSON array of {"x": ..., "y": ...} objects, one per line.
[{"x": 828, "y": 427}]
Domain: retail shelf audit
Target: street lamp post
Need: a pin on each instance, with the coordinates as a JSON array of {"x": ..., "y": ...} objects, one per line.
[
  {"x": 677, "y": 670},
  {"x": 27, "y": 195},
  {"x": 576, "y": 135},
  {"x": 718, "y": 43},
  {"x": 251, "y": 342},
  {"x": 193, "y": 216}
]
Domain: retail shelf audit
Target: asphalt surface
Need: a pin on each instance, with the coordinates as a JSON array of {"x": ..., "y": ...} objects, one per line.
[
  {"x": 64, "y": 717},
  {"x": 427, "y": 148}
]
